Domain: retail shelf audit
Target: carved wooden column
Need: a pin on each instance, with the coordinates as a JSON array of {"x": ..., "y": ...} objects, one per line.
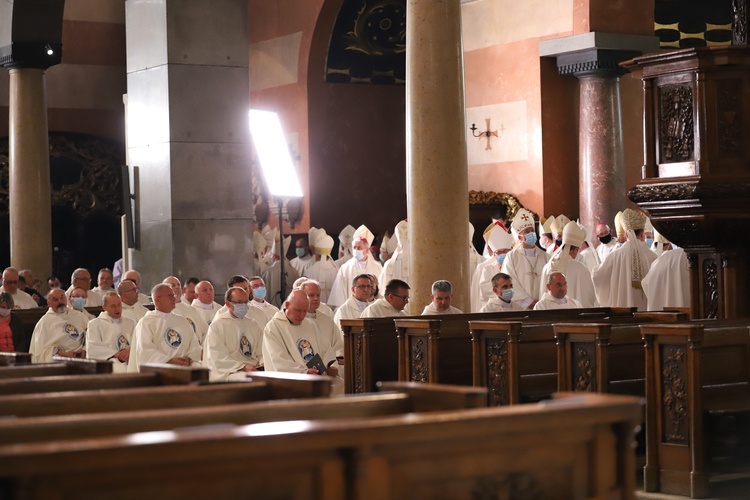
[{"x": 696, "y": 172}]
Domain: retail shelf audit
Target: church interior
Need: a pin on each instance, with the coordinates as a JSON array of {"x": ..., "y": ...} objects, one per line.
[{"x": 575, "y": 107}]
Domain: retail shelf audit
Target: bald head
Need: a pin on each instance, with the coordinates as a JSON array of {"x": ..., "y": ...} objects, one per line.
[
  {"x": 57, "y": 301},
  {"x": 296, "y": 306},
  {"x": 133, "y": 275},
  {"x": 204, "y": 291},
  {"x": 175, "y": 284}
]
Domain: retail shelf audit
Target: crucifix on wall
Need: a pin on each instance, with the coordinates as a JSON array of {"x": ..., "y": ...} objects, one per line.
[{"x": 487, "y": 134}]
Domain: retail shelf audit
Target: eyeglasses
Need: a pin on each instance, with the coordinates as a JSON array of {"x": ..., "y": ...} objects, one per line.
[{"x": 405, "y": 298}]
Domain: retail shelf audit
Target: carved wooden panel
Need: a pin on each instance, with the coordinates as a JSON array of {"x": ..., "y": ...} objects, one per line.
[
  {"x": 739, "y": 23},
  {"x": 710, "y": 289},
  {"x": 674, "y": 406},
  {"x": 519, "y": 485},
  {"x": 497, "y": 372},
  {"x": 418, "y": 359},
  {"x": 676, "y": 134},
  {"x": 359, "y": 382},
  {"x": 584, "y": 367},
  {"x": 729, "y": 117}
]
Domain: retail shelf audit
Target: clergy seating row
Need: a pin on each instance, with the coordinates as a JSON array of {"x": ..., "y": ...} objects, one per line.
[
  {"x": 693, "y": 371},
  {"x": 30, "y": 317},
  {"x": 399, "y": 398},
  {"x": 578, "y": 449},
  {"x": 371, "y": 345}
]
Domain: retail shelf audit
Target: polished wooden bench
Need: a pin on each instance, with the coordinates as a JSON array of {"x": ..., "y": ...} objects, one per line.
[
  {"x": 398, "y": 398},
  {"x": 692, "y": 370},
  {"x": 371, "y": 345},
  {"x": 15, "y": 358},
  {"x": 59, "y": 366},
  {"x": 576, "y": 448},
  {"x": 518, "y": 360}
]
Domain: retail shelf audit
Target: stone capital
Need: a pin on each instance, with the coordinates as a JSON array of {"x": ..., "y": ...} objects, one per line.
[{"x": 596, "y": 53}]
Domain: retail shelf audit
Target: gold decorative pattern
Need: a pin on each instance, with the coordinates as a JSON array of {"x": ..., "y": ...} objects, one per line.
[
  {"x": 418, "y": 360},
  {"x": 492, "y": 198},
  {"x": 584, "y": 368},
  {"x": 674, "y": 399},
  {"x": 497, "y": 372}
]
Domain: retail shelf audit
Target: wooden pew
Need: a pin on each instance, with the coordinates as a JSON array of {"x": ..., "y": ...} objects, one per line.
[
  {"x": 371, "y": 345},
  {"x": 518, "y": 361},
  {"x": 59, "y": 366},
  {"x": 579, "y": 448},
  {"x": 400, "y": 397},
  {"x": 15, "y": 358},
  {"x": 149, "y": 376},
  {"x": 692, "y": 369}
]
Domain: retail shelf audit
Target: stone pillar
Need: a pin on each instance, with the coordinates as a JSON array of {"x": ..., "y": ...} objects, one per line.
[
  {"x": 30, "y": 207},
  {"x": 594, "y": 58},
  {"x": 437, "y": 177},
  {"x": 188, "y": 135}
]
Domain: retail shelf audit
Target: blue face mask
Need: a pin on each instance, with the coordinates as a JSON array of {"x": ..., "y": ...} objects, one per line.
[
  {"x": 300, "y": 252},
  {"x": 649, "y": 242},
  {"x": 260, "y": 292},
  {"x": 530, "y": 238},
  {"x": 507, "y": 294},
  {"x": 500, "y": 258},
  {"x": 79, "y": 302},
  {"x": 240, "y": 310}
]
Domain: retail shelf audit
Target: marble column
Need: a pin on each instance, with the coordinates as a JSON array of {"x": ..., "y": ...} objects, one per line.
[
  {"x": 29, "y": 190},
  {"x": 601, "y": 165},
  {"x": 437, "y": 177},
  {"x": 594, "y": 58},
  {"x": 188, "y": 135}
]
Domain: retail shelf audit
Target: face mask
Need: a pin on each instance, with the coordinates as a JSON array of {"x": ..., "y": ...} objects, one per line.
[
  {"x": 558, "y": 242},
  {"x": 359, "y": 254},
  {"x": 4, "y": 312},
  {"x": 79, "y": 302},
  {"x": 300, "y": 252},
  {"x": 507, "y": 294},
  {"x": 541, "y": 244},
  {"x": 240, "y": 310},
  {"x": 649, "y": 242},
  {"x": 530, "y": 238},
  {"x": 605, "y": 239},
  {"x": 500, "y": 258},
  {"x": 260, "y": 292}
]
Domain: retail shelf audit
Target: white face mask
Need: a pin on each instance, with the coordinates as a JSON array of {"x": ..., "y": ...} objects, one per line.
[
  {"x": 4, "y": 312},
  {"x": 359, "y": 254}
]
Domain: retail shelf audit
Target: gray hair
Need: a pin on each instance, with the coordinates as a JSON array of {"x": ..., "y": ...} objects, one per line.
[
  {"x": 75, "y": 273},
  {"x": 159, "y": 286},
  {"x": 309, "y": 282},
  {"x": 109, "y": 294},
  {"x": 442, "y": 286}
]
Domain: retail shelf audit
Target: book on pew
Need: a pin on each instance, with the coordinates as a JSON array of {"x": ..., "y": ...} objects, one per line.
[{"x": 317, "y": 362}]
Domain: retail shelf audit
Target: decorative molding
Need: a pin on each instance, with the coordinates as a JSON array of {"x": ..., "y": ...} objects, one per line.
[
  {"x": 359, "y": 383},
  {"x": 710, "y": 289},
  {"x": 418, "y": 359},
  {"x": 729, "y": 117},
  {"x": 739, "y": 22},
  {"x": 595, "y": 62},
  {"x": 663, "y": 192},
  {"x": 584, "y": 368},
  {"x": 676, "y": 133},
  {"x": 489, "y": 198},
  {"x": 497, "y": 372},
  {"x": 674, "y": 395}
]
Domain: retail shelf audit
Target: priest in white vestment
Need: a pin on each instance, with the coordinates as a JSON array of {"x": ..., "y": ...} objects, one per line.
[
  {"x": 345, "y": 245},
  {"x": 272, "y": 274},
  {"x": 393, "y": 303},
  {"x": 130, "y": 307},
  {"x": 104, "y": 283},
  {"x": 667, "y": 283},
  {"x": 259, "y": 290},
  {"x": 204, "y": 302},
  {"x": 606, "y": 242},
  {"x": 291, "y": 340},
  {"x": 546, "y": 240},
  {"x": 502, "y": 301},
  {"x": 234, "y": 344},
  {"x": 618, "y": 280},
  {"x": 59, "y": 332},
  {"x": 358, "y": 302},
  {"x": 330, "y": 337},
  {"x": 200, "y": 327},
  {"x": 303, "y": 257},
  {"x": 163, "y": 336},
  {"x": 77, "y": 302},
  {"x": 21, "y": 299},
  {"x": 397, "y": 267},
  {"x": 81, "y": 278},
  {"x": 499, "y": 243},
  {"x": 441, "y": 297},
  {"x": 109, "y": 335},
  {"x": 579, "y": 284},
  {"x": 135, "y": 276},
  {"x": 361, "y": 263},
  {"x": 525, "y": 263},
  {"x": 324, "y": 270},
  {"x": 556, "y": 296}
]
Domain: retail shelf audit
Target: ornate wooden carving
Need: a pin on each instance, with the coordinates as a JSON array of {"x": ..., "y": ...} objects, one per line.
[
  {"x": 730, "y": 118},
  {"x": 510, "y": 202},
  {"x": 359, "y": 382},
  {"x": 674, "y": 395},
  {"x": 497, "y": 372},
  {"x": 662, "y": 192},
  {"x": 676, "y": 123},
  {"x": 584, "y": 367},
  {"x": 710, "y": 289},
  {"x": 516, "y": 485},
  {"x": 418, "y": 359},
  {"x": 739, "y": 22}
]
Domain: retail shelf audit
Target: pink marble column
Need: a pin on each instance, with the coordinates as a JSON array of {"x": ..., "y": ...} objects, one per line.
[
  {"x": 437, "y": 174},
  {"x": 601, "y": 160}
]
